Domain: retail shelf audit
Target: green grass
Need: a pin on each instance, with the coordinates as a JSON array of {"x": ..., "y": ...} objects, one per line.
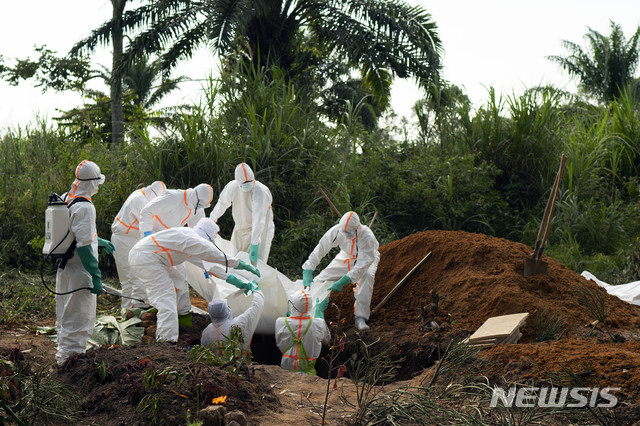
[{"x": 25, "y": 300}]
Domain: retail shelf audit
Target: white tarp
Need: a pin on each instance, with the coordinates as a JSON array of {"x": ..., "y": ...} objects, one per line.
[
  {"x": 629, "y": 292},
  {"x": 276, "y": 288}
]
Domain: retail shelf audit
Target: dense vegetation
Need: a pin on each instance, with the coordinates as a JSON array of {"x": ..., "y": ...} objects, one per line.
[
  {"x": 480, "y": 168},
  {"x": 488, "y": 170}
]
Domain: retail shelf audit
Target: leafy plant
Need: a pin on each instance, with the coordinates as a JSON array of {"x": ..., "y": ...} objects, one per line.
[
  {"x": 29, "y": 396},
  {"x": 547, "y": 326},
  {"x": 152, "y": 403},
  {"x": 594, "y": 301},
  {"x": 336, "y": 347},
  {"x": 101, "y": 372},
  {"x": 228, "y": 353},
  {"x": 368, "y": 370}
]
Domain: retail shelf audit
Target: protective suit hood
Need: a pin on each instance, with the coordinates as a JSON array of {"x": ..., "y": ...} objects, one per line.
[
  {"x": 88, "y": 178},
  {"x": 301, "y": 303},
  {"x": 207, "y": 229},
  {"x": 244, "y": 173},
  {"x": 204, "y": 192},
  {"x": 350, "y": 224},
  {"x": 219, "y": 310},
  {"x": 155, "y": 190}
]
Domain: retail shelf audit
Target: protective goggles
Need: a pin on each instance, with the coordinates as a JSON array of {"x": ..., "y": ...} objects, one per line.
[{"x": 100, "y": 179}]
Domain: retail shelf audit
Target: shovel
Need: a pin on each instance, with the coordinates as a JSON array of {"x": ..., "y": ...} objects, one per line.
[{"x": 533, "y": 265}]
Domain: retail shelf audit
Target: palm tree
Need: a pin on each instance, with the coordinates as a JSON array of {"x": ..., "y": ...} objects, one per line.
[
  {"x": 378, "y": 37},
  {"x": 147, "y": 81},
  {"x": 606, "y": 66}
]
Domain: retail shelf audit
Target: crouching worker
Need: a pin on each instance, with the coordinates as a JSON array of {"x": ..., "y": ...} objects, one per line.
[
  {"x": 356, "y": 263},
  {"x": 299, "y": 336},
  {"x": 222, "y": 320},
  {"x": 155, "y": 258}
]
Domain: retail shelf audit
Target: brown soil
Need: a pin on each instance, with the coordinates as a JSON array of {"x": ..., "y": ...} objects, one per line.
[
  {"x": 475, "y": 277},
  {"x": 478, "y": 277}
]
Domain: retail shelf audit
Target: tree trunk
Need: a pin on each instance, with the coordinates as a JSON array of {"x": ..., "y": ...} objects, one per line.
[{"x": 117, "y": 112}]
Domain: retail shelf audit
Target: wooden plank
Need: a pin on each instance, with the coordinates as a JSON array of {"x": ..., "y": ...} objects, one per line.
[
  {"x": 497, "y": 327},
  {"x": 499, "y": 339}
]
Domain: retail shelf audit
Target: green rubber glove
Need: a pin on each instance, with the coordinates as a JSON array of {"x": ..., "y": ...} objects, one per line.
[
  {"x": 307, "y": 277},
  {"x": 253, "y": 289},
  {"x": 90, "y": 263},
  {"x": 253, "y": 253},
  {"x": 247, "y": 267},
  {"x": 339, "y": 285},
  {"x": 242, "y": 285},
  {"x": 107, "y": 245},
  {"x": 320, "y": 307}
]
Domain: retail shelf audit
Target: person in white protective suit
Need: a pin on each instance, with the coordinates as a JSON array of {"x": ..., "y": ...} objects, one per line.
[
  {"x": 356, "y": 263},
  {"x": 222, "y": 320},
  {"x": 76, "y": 311},
  {"x": 175, "y": 208},
  {"x": 252, "y": 213},
  {"x": 299, "y": 336},
  {"x": 125, "y": 233},
  {"x": 155, "y": 259}
]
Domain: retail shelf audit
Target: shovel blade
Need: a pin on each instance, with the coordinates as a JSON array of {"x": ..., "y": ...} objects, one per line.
[{"x": 533, "y": 266}]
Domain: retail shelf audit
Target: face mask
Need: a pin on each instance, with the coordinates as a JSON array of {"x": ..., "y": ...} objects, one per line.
[
  {"x": 94, "y": 187},
  {"x": 247, "y": 186},
  {"x": 349, "y": 235}
]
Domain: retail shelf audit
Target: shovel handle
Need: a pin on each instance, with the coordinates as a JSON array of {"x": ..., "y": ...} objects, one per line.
[
  {"x": 397, "y": 286},
  {"x": 545, "y": 225}
]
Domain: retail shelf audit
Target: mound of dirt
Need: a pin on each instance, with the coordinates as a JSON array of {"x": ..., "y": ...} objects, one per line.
[
  {"x": 593, "y": 363},
  {"x": 476, "y": 277},
  {"x": 157, "y": 383}
]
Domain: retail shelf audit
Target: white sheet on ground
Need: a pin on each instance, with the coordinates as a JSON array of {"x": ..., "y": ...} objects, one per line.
[
  {"x": 629, "y": 292},
  {"x": 276, "y": 288}
]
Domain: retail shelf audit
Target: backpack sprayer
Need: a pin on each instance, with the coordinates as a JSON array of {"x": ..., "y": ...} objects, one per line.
[{"x": 59, "y": 240}]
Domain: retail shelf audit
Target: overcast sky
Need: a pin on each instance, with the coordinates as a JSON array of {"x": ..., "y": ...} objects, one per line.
[{"x": 499, "y": 43}]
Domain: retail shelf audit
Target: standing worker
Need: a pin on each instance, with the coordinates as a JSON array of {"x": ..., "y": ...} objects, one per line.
[
  {"x": 252, "y": 213},
  {"x": 125, "y": 234},
  {"x": 155, "y": 260},
  {"x": 76, "y": 311},
  {"x": 356, "y": 263},
  {"x": 299, "y": 336}
]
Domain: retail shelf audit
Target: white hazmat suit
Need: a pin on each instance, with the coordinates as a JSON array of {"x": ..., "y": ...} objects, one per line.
[
  {"x": 252, "y": 213},
  {"x": 299, "y": 336},
  {"x": 357, "y": 260},
  {"x": 222, "y": 320},
  {"x": 125, "y": 234},
  {"x": 155, "y": 259},
  {"x": 175, "y": 208},
  {"x": 76, "y": 312}
]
